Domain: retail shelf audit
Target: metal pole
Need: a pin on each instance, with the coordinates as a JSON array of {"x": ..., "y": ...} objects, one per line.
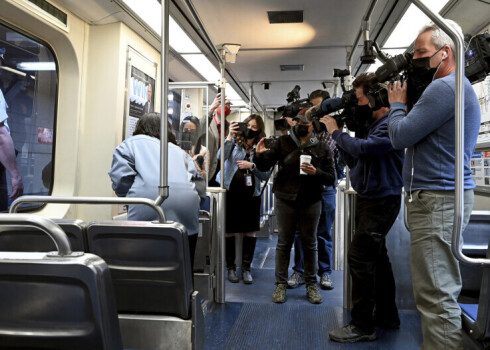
[
  {"x": 459, "y": 137},
  {"x": 88, "y": 200},
  {"x": 219, "y": 195},
  {"x": 251, "y": 96},
  {"x": 223, "y": 119},
  {"x": 163, "y": 187}
]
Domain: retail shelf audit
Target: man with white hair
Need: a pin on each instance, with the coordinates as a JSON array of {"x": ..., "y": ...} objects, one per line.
[{"x": 427, "y": 131}]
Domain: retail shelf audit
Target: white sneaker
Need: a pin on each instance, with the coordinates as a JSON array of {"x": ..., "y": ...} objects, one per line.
[
  {"x": 295, "y": 280},
  {"x": 326, "y": 282}
]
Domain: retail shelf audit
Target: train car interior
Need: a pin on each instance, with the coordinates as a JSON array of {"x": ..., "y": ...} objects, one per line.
[{"x": 78, "y": 271}]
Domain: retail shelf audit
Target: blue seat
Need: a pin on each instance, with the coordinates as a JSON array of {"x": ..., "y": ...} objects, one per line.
[{"x": 476, "y": 317}]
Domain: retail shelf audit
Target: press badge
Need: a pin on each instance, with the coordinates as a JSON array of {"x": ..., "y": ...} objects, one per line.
[{"x": 248, "y": 180}]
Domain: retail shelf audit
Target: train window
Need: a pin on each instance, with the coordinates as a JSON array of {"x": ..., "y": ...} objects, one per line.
[{"x": 28, "y": 84}]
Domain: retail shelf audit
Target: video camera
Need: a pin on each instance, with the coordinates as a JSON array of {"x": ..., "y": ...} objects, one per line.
[
  {"x": 295, "y": 104},
  {"x": 348, "y": 102}
]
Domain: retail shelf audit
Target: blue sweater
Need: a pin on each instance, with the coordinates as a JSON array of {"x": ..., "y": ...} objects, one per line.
[
  {"x": 428, "y": 134},
  {"x": 375, "y": 167}
]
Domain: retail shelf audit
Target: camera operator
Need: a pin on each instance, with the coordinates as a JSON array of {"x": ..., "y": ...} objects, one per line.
[
  {"x": 427, "y": 132},
  {"x": 327, "y": 217},
  {"x": 375, "y": 173},
  {"x": 298, "y": 198},
  {"x": 214, "y": 135}
]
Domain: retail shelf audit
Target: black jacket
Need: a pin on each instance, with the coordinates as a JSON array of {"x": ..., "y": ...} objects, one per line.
[{"x": 288, "y": 183}]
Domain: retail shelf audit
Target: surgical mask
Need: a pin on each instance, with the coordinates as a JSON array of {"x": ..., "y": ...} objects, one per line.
[
  {"x": 420, "y": 75},
  {"x": 301, "y": 130},
  {"x": 251, "y": 134}
]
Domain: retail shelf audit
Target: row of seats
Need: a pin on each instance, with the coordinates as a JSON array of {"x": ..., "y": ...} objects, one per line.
[
  {"x": 476, "y": 280},
  {"x": 151, "y": 285}
]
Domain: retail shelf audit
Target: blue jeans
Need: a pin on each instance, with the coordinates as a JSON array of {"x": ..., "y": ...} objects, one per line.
[{"x": 324, "y": 236}]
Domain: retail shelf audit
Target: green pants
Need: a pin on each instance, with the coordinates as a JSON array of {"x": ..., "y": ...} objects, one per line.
[{"x": 435, "y": 271}]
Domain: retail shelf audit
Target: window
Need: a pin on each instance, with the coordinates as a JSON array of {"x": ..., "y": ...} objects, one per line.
[{"x": 28, "y": 82}]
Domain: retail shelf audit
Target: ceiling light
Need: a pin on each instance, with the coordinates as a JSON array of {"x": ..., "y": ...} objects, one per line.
[
  {"x": 410, "y": 24},
  {"x": 203, "y": 66}
]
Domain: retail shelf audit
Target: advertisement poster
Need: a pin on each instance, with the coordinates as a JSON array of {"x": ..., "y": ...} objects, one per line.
[{"x": 141, "y": 100}]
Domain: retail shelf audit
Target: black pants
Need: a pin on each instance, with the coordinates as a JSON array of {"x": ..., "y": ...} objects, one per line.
[
  {"x": 373, "y": 284},
  {"x": 289, "y": 215}
]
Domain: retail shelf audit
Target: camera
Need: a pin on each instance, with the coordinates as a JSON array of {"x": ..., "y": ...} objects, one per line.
[
  {"x": 242, "y": 127},
  {"x": 271, "y": 141},
  {"x": 348, "y": 102},
  {"x": 186, "y": 140},
  {"x": 295, "y": 105},
  {"x": 281, "y": 124},
  {"x": 477, "y": 57}
]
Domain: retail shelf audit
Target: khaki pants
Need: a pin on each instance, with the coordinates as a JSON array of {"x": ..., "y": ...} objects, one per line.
[{"x": 435, "y": 270}]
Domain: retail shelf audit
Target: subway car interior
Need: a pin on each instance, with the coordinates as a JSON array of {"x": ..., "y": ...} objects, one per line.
[{"x": 76, "y": 272}]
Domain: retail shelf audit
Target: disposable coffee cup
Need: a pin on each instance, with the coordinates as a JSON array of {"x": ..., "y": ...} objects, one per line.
[{"x": 304, "y": 158}]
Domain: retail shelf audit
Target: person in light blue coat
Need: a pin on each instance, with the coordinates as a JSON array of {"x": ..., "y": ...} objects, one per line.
[
  {"x": 243, "y": 183},
  {"x": 135, "y": 172}
]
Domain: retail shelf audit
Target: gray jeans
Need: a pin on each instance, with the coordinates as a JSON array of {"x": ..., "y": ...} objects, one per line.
[
  {"x": 435, "y": 271},
  {"x": 289, "y": 216}
]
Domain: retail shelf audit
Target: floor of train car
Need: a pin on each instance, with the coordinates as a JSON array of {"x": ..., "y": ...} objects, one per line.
[{"x": 250, "y": 320}]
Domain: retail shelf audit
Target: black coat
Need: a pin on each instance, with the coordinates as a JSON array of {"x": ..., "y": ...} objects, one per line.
[{"x": 288, "y": 183}]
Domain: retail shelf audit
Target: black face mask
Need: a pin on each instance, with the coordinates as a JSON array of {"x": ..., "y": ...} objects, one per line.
[
  {"x": 301, "y": 130},
  {"x": 363, "y": 117},
  {"x": 251, "y": 134},
  {"x": 420, "y": 75}
]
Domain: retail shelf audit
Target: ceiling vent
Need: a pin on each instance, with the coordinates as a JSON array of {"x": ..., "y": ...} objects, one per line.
[
  {"x": 285, "y": 16},
  {"x": 289, "y": 67}
]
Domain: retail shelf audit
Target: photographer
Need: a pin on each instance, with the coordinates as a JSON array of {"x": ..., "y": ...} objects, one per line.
[
  {"x": 327, "y": 217},
  {"x": 214, "y": 135},
  {"x": 191, "y": 142},
  {"x": 375, "y": 173},
  {"x": 243, "y": 185},
  {"x": 427, "y": 132},
  {"x": 298, "y": 198}
]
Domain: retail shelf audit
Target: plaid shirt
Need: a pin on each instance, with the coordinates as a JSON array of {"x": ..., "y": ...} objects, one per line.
[{"x": 326, "y": 137}]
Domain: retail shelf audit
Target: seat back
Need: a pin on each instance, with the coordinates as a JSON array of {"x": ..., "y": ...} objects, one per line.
[
  {"x": 32, "y": 239},
  {"x": 150, "y": 265},
  {"x": 53, "y": 301}
]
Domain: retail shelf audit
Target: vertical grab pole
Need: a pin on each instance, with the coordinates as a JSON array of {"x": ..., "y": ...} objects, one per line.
[
  {"x": 220, "y": 196},
  {"x": 251, "y": 96},
  {"x": 163, "y": 187}
]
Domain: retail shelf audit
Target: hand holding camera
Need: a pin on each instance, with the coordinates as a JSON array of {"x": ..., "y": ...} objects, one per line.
[
  {"x": 261, "y": 147},
  {"x": 330, "y": 123},
  {"x": 397, "y": 92}
]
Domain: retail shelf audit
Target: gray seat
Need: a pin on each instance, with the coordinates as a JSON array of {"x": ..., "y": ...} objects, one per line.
[
  {"x": 49, "y": 301},
  {"x": 152, "y": 278},
  {"x": 32, "y": 239},
  {"x": 202, "y": 256}
]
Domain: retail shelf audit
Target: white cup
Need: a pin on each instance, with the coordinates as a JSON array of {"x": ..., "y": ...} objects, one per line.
[{"x": 304, "y": 158}]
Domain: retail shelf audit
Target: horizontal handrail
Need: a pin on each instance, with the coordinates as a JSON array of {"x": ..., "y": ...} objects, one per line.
[
  {"x": 89, "y": 200},
  {"x": 52, "y": 229}
]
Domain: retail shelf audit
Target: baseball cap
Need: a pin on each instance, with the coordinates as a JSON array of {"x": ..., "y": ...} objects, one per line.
[
  {"x": 302, "y": 116},
  {"x": 227, "y": 111}
]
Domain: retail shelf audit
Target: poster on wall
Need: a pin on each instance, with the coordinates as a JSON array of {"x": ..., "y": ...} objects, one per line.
[{"x": 141, "y": 101}]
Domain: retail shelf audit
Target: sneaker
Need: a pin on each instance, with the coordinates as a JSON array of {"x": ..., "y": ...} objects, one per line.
[
  {"x": 247, "y": 277},
  {"x": 326, "y": 282},
  {"x": 279, "y": 295},
  {"x": 232, "y": 276},
  {"x": 313, "y": 294},
  {"x": 351, "y": 334},
  {"x": 295, "y": 280}
]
